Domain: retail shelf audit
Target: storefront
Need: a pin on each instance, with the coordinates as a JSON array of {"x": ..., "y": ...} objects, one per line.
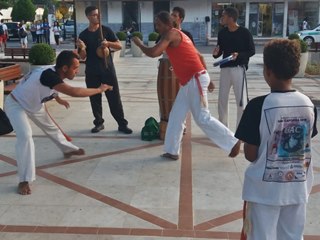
[{"x": 268, "y": 19}]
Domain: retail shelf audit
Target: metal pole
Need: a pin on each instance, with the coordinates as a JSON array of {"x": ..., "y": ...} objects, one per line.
[{"x": 75, "y": 24}]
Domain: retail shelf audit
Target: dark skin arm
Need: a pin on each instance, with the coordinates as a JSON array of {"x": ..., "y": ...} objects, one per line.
[
  {"x": 80, "y": 92},
  {"x": 250, "y": 152}
]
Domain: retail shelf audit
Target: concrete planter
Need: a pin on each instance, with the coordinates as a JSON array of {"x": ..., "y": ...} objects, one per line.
[
  {"x": 123, "y": 50},
  {"x": 151, "y": 43},
  {"x": 136, "y": 51},
  {"x": 303, "y": 65}
]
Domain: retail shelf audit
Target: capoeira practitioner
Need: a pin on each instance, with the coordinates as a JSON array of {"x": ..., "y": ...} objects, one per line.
[
  {"x": 27, "y": 101},
  {"x": 192, "y": 96},
  {"x": 236, "y": 41}
]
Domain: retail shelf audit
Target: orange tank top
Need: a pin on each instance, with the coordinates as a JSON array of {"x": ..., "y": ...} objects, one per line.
[{"x": 184, "y": 59}]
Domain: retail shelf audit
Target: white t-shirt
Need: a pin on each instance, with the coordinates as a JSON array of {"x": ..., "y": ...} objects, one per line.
[
  {"x": 56, "y": 30},
  {"x": 36, "y": 88},
  {"x": 281, "y": 124}
]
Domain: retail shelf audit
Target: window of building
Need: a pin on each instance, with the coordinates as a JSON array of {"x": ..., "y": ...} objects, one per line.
[
  {"x": 217, "y": 9},
  {"x": 130, "y": 14},
  {"x": 298, "y": 11}
]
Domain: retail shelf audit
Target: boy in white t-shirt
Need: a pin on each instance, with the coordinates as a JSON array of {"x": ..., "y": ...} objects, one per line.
[{"x": 276, "y": 130}]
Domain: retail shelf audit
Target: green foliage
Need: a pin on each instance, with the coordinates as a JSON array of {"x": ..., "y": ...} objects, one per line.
[
  {"x": 293, "y": 36},
  {"x": 42, "y": 54},
  {"x": 303, "y": 44},
  {"x": 45, "y": 14},
  {"x": 4, "y": 4},
  {"x": 153, "y": 36},
  {"x": 23, "y": 10},
  {"x": 137, "y": 34},
  {"x": 122, "y": 36}
]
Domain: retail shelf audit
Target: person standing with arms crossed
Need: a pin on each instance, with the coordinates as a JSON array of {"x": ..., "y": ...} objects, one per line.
[
  {"x": 27, "y": 102},
  {"x": 276, "y": 130},
  {"x": 192, "y": 96},
  {"x": 236, "y": 41},
  {"x": 99, "y": 70}
]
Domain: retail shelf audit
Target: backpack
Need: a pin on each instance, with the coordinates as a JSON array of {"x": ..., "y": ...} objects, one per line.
[
  {"x": 22, "y": 33},
  {"x": 151, "y": 130},
  {"x": 5, "y": 125},
  {"x": 1, "y": 30}
]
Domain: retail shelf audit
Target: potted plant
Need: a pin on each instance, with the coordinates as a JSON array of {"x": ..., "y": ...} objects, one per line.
[
  {"x": 41, "y": 54},
  {"x": 304, "y": 54},
  {"x": 136, "y": 51},
  {"x": 152, "y": 39},
  {"x": 122, "y": 36}
]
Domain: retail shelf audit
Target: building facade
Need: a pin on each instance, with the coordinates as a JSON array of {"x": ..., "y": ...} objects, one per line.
[{"x": 264, "y": 18}]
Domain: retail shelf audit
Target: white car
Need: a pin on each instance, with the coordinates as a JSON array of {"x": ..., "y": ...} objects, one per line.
[{"x": 310, "y": 36}]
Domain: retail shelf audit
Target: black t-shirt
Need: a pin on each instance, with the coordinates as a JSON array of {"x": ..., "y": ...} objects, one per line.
[
  {"x": 94, "y": 64},
  {"x": 184, "y": 31},
  {"x": 50, "y": 78},
  {"x": 240, "y": 41}
]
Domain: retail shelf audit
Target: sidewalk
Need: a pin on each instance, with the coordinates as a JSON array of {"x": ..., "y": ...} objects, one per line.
[{"x": 122, "y": 189}]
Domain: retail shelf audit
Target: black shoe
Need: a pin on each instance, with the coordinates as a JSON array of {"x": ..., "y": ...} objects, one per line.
[
  {"x": 97, "y": 128},
  {"x": 125, "y": 130}
]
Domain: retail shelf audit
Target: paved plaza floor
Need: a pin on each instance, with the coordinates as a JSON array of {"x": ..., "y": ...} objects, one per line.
[{"x": 122, "y": 189}]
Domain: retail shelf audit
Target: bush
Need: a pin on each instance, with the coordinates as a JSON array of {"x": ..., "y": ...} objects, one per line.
[
  {"x": 137, "y": 34},
  {"x": 42, "y": 54},
  {"x": 153, "y": 36},
  {"x": 122, "y": 36},
  {"x": 303, "y": 44}
]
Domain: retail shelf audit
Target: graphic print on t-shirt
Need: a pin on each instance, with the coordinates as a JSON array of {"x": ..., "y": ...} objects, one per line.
[{"x": 288, "y": 154}]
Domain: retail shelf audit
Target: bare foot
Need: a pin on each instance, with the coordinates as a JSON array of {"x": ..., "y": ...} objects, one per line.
[
  {"x": 80, "y": 151},
  {"x": 235, "y": 150},
  {"x": 24, "y": 188}
]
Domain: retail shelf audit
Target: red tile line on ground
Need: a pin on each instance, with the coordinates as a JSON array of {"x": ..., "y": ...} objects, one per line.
[
  {"x": 185, "y": 224},
  {"x": 185, "y": 201}
]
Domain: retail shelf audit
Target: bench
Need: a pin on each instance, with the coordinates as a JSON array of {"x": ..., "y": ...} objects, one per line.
[
  {"x": 17, "y": 52},
  {"x": 10, "y": 73},
  {"x": 315, "y": 47}
]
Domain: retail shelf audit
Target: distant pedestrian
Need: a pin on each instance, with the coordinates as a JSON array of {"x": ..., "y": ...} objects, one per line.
[
  {"x": 3, "y": 35},
  {"x": 276, "y": 130},
  {"x": 56, "y": 32},
  {"x": 23, "y": 35},
  {"x": 39, "y": 31},
  {"x": 305, "y": 24}
]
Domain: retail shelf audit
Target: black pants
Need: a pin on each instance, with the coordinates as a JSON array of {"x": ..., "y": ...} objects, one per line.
[{"x": 113, "y": 97}]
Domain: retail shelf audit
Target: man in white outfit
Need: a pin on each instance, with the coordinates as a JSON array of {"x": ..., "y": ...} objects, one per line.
[
  {"x": 27, "y": 101},
  {"x": 192, "y": 96}
]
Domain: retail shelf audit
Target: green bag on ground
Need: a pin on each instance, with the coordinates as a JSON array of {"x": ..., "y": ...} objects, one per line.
[{"x": 151, "y": 129}]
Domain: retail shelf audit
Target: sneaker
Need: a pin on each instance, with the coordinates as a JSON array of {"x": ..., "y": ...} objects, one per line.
[
  {"x": 170, "y": 156},
  {"x": 97, "y": 128},
  {"x": 125, "y": 130},
  {"x": 78, "y": 152}
]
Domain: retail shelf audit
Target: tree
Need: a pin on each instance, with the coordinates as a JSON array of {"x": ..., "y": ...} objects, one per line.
[
  {"x": 45, "y": 14},
  {"x": 23, "y": 10},
  {"x": 4, "y": 4}
]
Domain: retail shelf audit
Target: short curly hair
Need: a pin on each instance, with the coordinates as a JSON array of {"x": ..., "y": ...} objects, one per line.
[{"x": 282, "y": 57}]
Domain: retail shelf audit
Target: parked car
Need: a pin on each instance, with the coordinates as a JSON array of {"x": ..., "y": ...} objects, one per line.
[
  {"x": 310, "y": 36},
  {"x": 68, "y": 27},
  {"x": 13, "y": 29}
]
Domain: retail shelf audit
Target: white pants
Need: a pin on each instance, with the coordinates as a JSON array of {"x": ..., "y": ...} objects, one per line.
[
  {"x": 25, "y": 150},
  {"x": 188, "y": 99},
  {"x": 231, "y": 76},
  {"x": 276, "y": 222}
]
